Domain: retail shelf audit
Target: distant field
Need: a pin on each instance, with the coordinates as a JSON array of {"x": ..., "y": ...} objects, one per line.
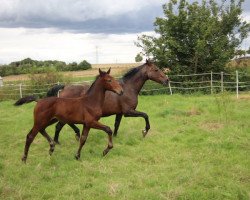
[
  {"x": 198, "y": 148},
  {"x": 117, "y": 69}
]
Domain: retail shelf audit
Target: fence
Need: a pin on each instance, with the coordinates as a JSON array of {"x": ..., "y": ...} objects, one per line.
[{"x": 207, "y": 83}]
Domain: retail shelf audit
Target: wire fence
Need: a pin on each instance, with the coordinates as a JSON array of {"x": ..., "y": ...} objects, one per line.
[{"x": 206, "y": 83}]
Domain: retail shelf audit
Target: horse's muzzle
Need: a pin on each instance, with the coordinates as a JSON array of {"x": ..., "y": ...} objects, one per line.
[{"x": 165, "y": 82}]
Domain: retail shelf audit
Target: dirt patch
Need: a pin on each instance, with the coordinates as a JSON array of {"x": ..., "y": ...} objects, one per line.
[
  {"x": 193, "y": 111},
  {"x": 211, "y": 126},
  {"x": 244, "y": 96}
]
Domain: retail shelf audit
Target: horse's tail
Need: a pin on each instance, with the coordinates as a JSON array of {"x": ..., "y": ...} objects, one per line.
[
  {"x": 54, "y": 90},
  {"x": 24, "y": 100}
]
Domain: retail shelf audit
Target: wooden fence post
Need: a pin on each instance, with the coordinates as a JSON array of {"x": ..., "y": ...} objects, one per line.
[
  {"x": 20, "y": 90},
  {"x": 170, "y": 89},
  {"x": 237, "y": 84},
  {"x": 211, "y": 82},
  {"x": 221, "y": 81}
]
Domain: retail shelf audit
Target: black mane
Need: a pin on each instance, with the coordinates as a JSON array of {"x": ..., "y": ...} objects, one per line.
[{"x": 131, "y": 72}]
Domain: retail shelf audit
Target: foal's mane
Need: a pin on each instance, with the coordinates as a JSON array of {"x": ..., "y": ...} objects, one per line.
[
  {"x": 92, "y": 85},
  {"x": 132, "y": 72}
]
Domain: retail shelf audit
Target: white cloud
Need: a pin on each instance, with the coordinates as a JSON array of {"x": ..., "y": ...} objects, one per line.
[{"x": 43, "y": 44}]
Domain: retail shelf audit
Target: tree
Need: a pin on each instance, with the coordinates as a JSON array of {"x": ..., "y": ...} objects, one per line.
[
  {"x": 196, "y": 37},
  {"x": 248, "y": 51},
  {"x": 84, "y": 65},
  {"x": 138, "y": 57}
]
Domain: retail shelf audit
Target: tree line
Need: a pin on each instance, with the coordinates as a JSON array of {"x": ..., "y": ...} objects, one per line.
[{"x": 28, "y": 66}]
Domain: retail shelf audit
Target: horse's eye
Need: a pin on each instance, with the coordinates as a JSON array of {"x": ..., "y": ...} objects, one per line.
[
  {"x": 109, "y": 80},
  {"x": 156, "y": 70}
]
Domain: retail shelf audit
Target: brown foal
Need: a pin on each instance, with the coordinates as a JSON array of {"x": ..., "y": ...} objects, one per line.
[{"x": 86, "y": 110}]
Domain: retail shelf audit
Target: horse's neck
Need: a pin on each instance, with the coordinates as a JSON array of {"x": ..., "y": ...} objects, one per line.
[
  {"x": 96, "y": 94},
  {"x": 136, "y": 82}
]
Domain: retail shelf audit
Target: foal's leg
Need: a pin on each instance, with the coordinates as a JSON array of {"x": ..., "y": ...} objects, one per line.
[
  {"x": 51, "y": 143},
  {"x": 29, "y": 139},
  {"x": 134, "y": 113},
  {"x": 98, "y": 125},
  {"x": 83, "y": 139},
  {"x": 118, "y": 119}
]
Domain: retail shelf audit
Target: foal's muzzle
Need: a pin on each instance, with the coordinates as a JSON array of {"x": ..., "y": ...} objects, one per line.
[{"x": 120, "y": 92}]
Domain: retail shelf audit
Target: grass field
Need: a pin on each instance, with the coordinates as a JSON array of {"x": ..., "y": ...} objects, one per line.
[{"x": 198, "y": 148}]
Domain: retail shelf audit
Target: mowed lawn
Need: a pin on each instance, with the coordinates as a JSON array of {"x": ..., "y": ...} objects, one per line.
[{"x": 198, "y": 147}]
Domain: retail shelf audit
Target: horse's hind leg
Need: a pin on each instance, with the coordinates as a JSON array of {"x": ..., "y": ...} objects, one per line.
[
  {"x": 51, "y": 142},
  {"x": 59, "y": 127},
  {"x": 118, "y": 119},
  {"x": 77, "y": 131},
  {"x": 29, "y": 139}
]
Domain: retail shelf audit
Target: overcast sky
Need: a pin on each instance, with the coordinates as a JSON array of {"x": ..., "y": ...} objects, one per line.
[{"x": 102, "y": 31}]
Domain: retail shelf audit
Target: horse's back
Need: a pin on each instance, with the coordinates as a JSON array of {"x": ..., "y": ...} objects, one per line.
[{"x": 74, "y": 91}]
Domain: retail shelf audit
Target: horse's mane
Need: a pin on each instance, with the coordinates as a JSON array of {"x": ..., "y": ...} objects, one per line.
[
  {"x": 92, "y": 85},
  {"x": 132, "y": 72}
]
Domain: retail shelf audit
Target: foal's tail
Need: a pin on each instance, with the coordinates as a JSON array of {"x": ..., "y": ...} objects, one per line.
[
  {"x": 24, "y": 100},
  {"x": 51, "y": 92}
]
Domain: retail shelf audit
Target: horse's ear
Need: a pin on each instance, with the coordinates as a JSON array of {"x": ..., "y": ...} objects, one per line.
[
  {"x": 109, "y": 70},
  {"x": 101, "y": 72}
]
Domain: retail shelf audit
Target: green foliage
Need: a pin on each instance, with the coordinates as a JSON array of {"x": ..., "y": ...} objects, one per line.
[
  {"x": 28, "y": 65},
  {"x": 138, "y": 57},
  {"x": 40, "y": 83},
  {"x": 84, "y": 65},
  {"x": 196, "y": 37},
  {"x": 190, "y": 152}
]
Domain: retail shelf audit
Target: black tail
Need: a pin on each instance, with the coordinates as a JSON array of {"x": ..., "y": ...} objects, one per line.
[
  {"x": 54, "y": 90},
  {"x": 24, "y": 100}
]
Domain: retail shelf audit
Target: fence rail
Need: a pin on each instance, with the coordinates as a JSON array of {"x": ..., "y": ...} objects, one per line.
[{"x": 205, "y": 82}]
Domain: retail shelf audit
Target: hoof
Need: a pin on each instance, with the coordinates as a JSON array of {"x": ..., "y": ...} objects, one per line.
[
  {"x": 24, "y": 159},
  {"x": 51, "y": 151},
  {"x": 144, "y": 133},
  {"x": 56, "y": 142},
  {"x": 104, "y": 153},
  {"x": 77, "y": 157}
]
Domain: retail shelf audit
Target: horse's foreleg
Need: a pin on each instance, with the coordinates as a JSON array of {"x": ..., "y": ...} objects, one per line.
[
  {"x": 83, "y": 139},
  {"x": 134, "y": 113},
  {"x": 98, "y": 125},
  {"x": 118, "y": 119},
  {"x": 51, "y": 142},
  {"x": 77, "y": 131},
  {"x": 29, "y": 139}
]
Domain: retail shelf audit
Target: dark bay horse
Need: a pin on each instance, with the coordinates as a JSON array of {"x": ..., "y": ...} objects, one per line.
[
  {"x": 86, "y": 110},
  {"x": 124, "y": 105}
]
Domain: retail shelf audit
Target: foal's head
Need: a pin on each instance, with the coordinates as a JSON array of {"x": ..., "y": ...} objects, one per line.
[
  {"x": 155, "y": 74},
  {"x": 109, "y": 82}
]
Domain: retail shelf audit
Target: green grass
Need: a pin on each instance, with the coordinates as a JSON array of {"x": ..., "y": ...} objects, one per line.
[{"x": 198, "y": 148}]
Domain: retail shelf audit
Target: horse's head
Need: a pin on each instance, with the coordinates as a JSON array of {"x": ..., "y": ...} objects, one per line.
[
  {"x": 110, "y": 83},
  {"x": 155, "y": 74}
]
